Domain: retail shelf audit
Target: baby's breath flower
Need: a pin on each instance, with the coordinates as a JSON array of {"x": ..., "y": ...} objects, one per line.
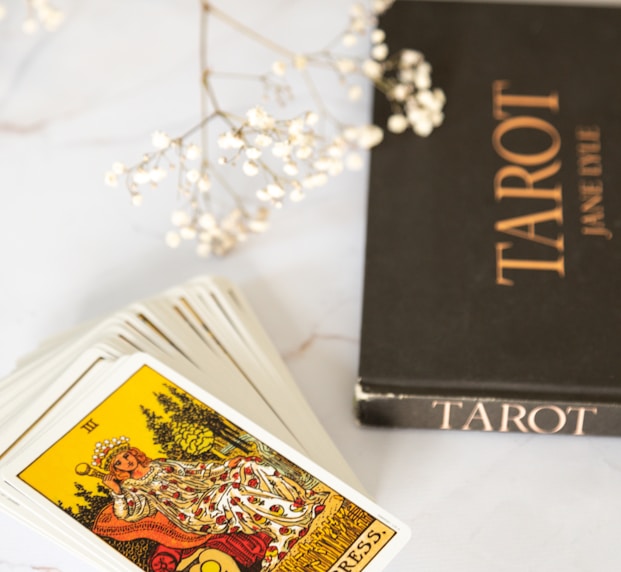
[
  {"x": 180, "y": 218},
  {"x": 251, "y": 168},
  {"x": 354, "y": 161},
  {"x": 345, "y": 65},
  {"x": 157, "y": 174},
  {"x": 370, "y": 136},
  {"x": 253, "y": 152},
  {"x": 204, "y": 183},
  {"x": 349, "y": 40},
  {"x": 263, "y": 140},
  {"x": 306, "y": 150},
  {"x": 160, "y": 140},
  {"x": 398, "y": 123},
  {"x": 380, "y": 52},
  {"x": 279, "y": 68},
  {"x": 192, "y": 152},
  {"x": 354, "y": 93},
  {"x": 118, "y": 168},
  {"x": 372, "y": 69},
  {"x": 111, "y": 179},
  {"x": 173, "y": 240},
  {"x": 193, "y": 175}
]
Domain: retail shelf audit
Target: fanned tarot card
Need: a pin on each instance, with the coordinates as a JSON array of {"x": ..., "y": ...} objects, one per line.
[{"x": 149, "y": 471}]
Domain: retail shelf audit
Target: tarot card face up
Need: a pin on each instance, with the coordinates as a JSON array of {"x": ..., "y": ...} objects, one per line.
[{"x": 159, "y": 475}]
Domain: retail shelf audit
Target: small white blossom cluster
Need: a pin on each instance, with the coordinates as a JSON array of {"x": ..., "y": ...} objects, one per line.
[
  {"x": 39, "y": 14},
  {"x": 405, "y": 79},
  {"x": 284, "y": 159},
  {"x": 215, "y": 236},
  {"x": 289, "y": 156},
  {"x": 362, "y": 19},
  {"x": 195, "y": 219}
]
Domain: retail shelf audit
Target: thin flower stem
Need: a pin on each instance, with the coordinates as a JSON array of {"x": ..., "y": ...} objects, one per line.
[
  {"x": 249, "y": 32},
  {"x": 317, "y": 97},
  {"x": 204, "y": 96},
  {"x": 200, "y": 125}
]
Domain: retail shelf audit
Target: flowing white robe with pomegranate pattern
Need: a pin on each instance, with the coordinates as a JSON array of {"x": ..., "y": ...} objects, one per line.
[{"x": 215, "y": 498}]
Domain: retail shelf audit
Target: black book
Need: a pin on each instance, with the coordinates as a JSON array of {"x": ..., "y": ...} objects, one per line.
[{"x": 492, "y": 296}]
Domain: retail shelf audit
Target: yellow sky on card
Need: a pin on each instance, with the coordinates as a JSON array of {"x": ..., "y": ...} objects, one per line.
[{"x": 53, "y": 473}]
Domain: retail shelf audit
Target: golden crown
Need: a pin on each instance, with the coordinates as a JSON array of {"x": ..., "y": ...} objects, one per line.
[{"x": 106, "y": 450}]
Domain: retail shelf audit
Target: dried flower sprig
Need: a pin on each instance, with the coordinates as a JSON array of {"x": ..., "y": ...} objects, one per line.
[
  {"x": 39, "y": 14},
  {"x": 284, "y": 158}
]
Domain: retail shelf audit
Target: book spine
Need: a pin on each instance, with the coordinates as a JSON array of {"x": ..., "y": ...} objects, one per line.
[{"x": 487, "y": 414}]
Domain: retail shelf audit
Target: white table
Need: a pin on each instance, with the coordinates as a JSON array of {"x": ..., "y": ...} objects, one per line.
[{"x": 74, "y": 101}]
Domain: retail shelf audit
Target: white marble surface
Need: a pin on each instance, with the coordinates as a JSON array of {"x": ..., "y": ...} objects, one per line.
[{"x": 72, "y": 102}]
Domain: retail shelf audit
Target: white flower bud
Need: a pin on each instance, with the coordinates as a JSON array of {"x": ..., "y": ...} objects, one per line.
[
  {"x": 187, "y": 232},
  {"x": 296, "y": 195},
  {"x": 207, "y": 221},
  {"x": 346, "y": 65},
  {"x": 141, "y": 176},
  {"x": 311, "y": 118},
  {"x": 397, "y": 123},
  {"x": 111, "y": 179},
  {"x": 372, "y": 69},
  {"x": 250, "y": 168},
  {"x": 304, "y": 152},
  {"x": 370, "y": 136},
  {"x": 279, "y": 68},
  {"x": 173, "y": 240},
  {"x": 180, "y": 218},
  {"x": 322, "y": 164},
  {"x": 193, "y": 176},
  {"x": 118, "y": 168},
  {"x": 410, "y": 58},
  {"x": 192, "y": 152},
  {"x": 275, "y": 191},
  {"x": 349, "y": 40},
  {"x": 263, "y": 195},
  {"x": 378, "y": 36},
  {"x": 423, "y": 126},
  {"x": 262, "y": 140},
  {"x": 160, "y": 140},
  {"x": 157, "y": 174},
  {"x": 354, "y": 93},
  {"x": 300, "y": 62},
  {"x": 400, "y": 92},
  {"x": 354, "y": 161},
  {"x": 290, "y": 169},
  {"x": 204, "y": 184},
  {"x": 380, "y": 52},
  {"x": 253, "y": 153},
  {"x": 281, "y": 149}
]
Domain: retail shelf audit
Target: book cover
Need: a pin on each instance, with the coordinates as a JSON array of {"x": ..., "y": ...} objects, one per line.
[{"x": 493, "y": 263}]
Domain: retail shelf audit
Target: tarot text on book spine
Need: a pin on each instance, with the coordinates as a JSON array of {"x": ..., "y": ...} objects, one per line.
[
  {"x": 529, "y": 174},
  {"x": 546, "y": 419}
]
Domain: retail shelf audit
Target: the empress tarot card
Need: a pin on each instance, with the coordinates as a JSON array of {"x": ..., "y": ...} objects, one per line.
[{"x": 159, "y": 474}]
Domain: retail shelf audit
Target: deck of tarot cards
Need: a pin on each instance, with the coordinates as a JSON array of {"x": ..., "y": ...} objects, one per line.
[{"x": 170, "y": 437}]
